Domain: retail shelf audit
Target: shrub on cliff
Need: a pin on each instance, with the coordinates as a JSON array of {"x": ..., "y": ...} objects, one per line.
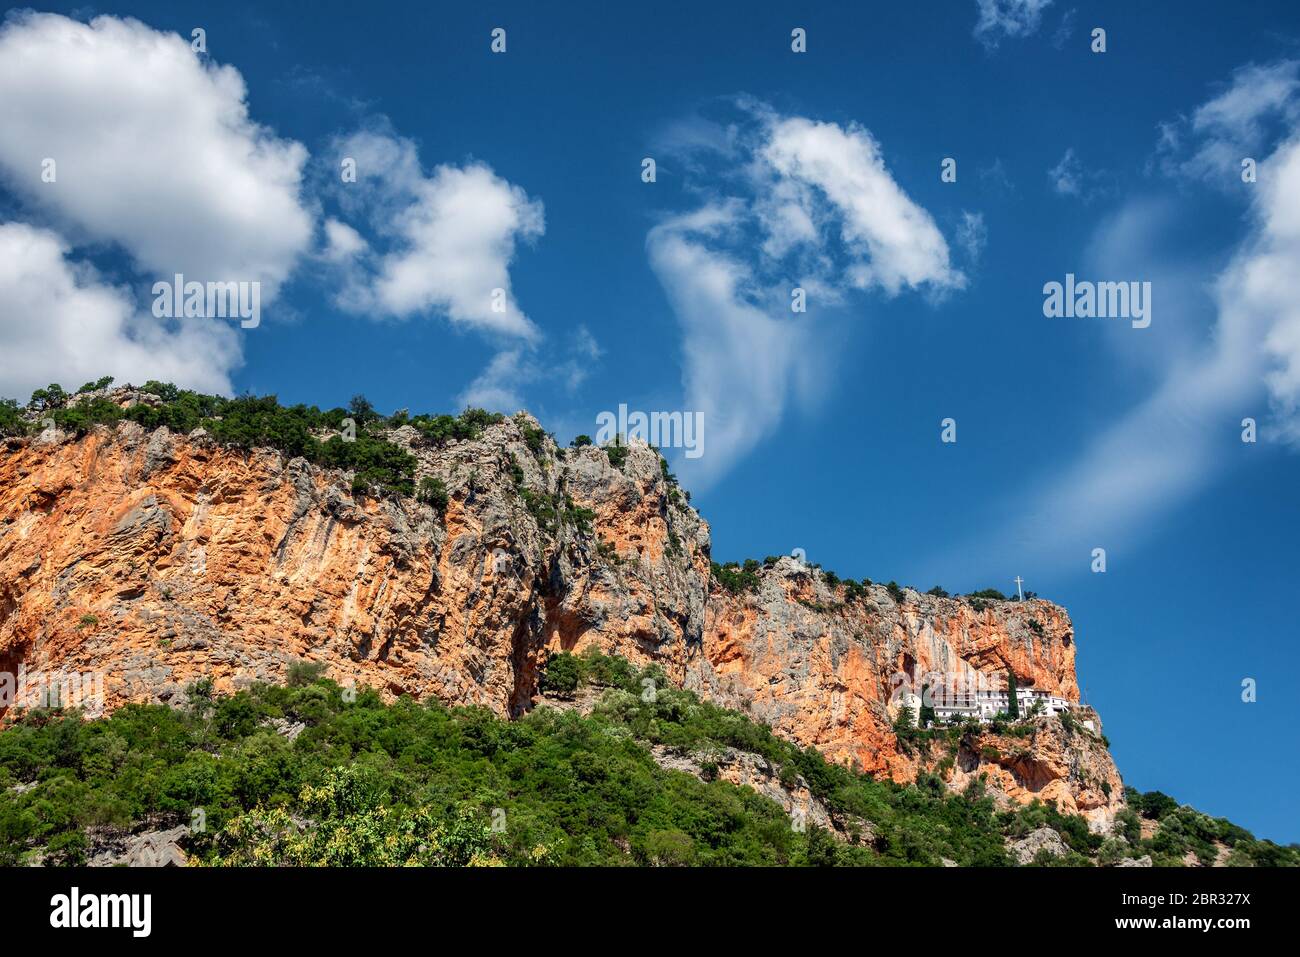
[
  {"x": 51, "y": 397},
  {"x": 101, "y": 383},
  {"x": 249, "y": 422},
  {"x": 301, "y": 673},
  {"x": 617, "y": 454},
  {"x": 469, "y": 425},
  {"x": 534, "y": 436},
  {"x": 1152, "y": 804},
  {"x": 562, "y": 674},
  {"x": 433, "y": 492},
  {"x": 11, "y": 420},
  {"x": 83, "y": 417},
  {"x": 737, "y": 578}
]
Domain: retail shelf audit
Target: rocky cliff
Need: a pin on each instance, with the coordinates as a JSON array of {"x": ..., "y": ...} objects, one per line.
[{"x": 152, "y": 559}]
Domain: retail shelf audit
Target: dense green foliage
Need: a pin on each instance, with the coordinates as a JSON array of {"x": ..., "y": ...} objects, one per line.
[
  {"x": 11, "y": 419},
  {"x": 407, "y": 783},
  {"x": 737, "y": 578}
]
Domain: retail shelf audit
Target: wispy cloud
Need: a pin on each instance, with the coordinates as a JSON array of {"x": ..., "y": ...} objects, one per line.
[
  {"x": 972, "y": 235},
  {"x": 1258, "y": 104},
  {"x": 1069, "y": 177},
  {"x": 1176, "y": 441},
  {"x": 1000, "y": 19},
  {"x": 501, "y": 386},
  {"x": 813, "y": 207}
]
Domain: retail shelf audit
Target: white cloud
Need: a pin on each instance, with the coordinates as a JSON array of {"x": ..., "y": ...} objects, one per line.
[
  {"x": 972, "y": 235},
  {"x": 1176, "y": 441},
  {"x": 1069, "y": 178},
  {"x": 62, "y": 323},
  {"x": 1259, "y": 294},
  {"x": 154, "y": 149},
  {"x": 497, "y": 388},
  {"x": 814, "y": 206},
  {"x": 500, "y": 386},
  {"x": 157, "y": 156},
  {"x": 1065, "y": 175},
  {"x": 1239, "y": 122},
  {"x": 738, "y": 358},
  {"x": 342, "y": 242},
  {"x": 452, "y": 237},
  {"x": 1007, "y": 18},
  {"x": 893, "y": 242},
  {"x": 1064, "y": 29}
]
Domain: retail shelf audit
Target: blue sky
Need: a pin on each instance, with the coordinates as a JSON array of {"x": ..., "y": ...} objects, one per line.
[{"x": 822, "y": 429}]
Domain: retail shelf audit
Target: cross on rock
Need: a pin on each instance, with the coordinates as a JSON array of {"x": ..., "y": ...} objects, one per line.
[{"x": 1019, "y": 581}]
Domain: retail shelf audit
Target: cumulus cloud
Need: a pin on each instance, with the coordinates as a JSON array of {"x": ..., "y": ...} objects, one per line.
[
  {"x": 892, "y": 241},
  {"x": 62, "y": 323},
  {"x": 813, "y": 205},
  {"x": 154, "y": 150},
  {"x": 1007, "y": 18},
  {"x": 450, "y": 237},
  {"x": 342, "y": 243},
  {"x": 155, "y": 155}
]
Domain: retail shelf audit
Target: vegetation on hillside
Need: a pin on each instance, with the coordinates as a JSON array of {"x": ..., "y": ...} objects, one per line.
[{"x": 368, "y": 783}]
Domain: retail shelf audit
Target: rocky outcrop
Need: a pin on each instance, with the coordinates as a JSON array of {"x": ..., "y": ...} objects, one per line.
[
  {"x": 754, "y": 771},
  {"x": 150, "y": 560},
  {"x": 114, "y": 847},
  {"x": 1044, "y": 840},
  {"x": 1059, "y": 763},
  {"x": 828, "y": 672}
]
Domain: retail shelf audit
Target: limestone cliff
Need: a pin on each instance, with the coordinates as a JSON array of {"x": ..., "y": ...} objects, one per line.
[{"x": 155, "y": 559}]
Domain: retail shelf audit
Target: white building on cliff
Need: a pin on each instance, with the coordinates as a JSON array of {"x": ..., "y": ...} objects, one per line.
[{"x": 985, "y": 704}]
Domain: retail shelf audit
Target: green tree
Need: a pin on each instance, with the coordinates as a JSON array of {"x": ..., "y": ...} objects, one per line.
[
  {"x": 362, "y": 410},
  {"x": 51, "y": 397},
  {"x": 563, "y": 674}
]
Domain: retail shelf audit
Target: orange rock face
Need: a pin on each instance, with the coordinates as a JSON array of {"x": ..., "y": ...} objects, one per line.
[
  {"x": 1056, "y": 763},
  {"x": 151, "y": 560}
]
